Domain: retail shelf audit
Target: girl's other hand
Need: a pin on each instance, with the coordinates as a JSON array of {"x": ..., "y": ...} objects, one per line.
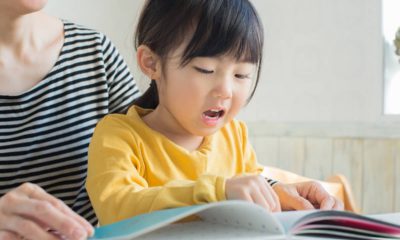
[
  {"x": 253, "y": 188},
  {"x": 28, "y": 212},
  {"x": 306, "y": 195}
]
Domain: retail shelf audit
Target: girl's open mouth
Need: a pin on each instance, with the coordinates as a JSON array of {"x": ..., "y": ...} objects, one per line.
[
  {"x": 212, "y": 116},
  {"x": 214, "y": 113}
]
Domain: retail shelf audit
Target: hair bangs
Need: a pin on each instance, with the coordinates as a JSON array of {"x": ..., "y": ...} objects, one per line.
[{"x": 228, "y": 27}]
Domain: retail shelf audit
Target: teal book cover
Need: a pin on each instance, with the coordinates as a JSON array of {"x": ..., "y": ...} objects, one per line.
[{"x": 144, "y": 223}]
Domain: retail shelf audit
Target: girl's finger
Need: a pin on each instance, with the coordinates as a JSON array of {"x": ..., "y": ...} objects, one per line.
[
  {"x": 338, "y": 205},
  {"x": 260, "y": 199},
  {"x": 327, "y": 203},
  {"x": 269, "y": 198},
  {"x": 274, "y": 199},
  {"x": 299, "y": 203}
]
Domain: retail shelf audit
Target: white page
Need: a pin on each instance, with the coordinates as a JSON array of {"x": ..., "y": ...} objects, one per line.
[
  {"x": 245, "y": 215},
  {"x": 289, "y": 218},
  {"x": 387, "y": 217},
  {"x": 201, "y": 230}
]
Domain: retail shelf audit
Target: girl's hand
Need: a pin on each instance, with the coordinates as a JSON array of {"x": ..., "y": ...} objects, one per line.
[
  {"x": 306, "y": 195},
  {"x": 28, "y": 212},
  {"x": 253, "y": 189}
]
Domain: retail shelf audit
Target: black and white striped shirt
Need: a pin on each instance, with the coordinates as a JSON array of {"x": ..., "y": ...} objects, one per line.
[{"x": 45, "y": 132}]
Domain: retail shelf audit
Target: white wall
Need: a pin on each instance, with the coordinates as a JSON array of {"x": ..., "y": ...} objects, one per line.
[
  {"x": 116, "y": 19},
  {"x": 323, "y": 61},
  {"x": 323, "y": 58}
]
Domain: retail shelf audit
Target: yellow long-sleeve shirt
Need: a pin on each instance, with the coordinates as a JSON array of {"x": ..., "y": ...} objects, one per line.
[{"x": 133, "y": 169}]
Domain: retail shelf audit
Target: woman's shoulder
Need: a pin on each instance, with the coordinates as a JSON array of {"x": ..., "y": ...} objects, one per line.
[
  {"x": 80, "y": 40},
  {"x": 76, "y": 34},
  {"x": 76, "y": 29}
]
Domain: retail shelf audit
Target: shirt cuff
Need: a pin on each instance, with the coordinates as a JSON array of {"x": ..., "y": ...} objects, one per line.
[
  {"x": 220, "y": 188},
  {"x": 271, "y": 182}
]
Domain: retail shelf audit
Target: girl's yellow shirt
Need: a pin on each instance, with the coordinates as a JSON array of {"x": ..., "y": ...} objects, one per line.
[{"x": 133, "y": 169}]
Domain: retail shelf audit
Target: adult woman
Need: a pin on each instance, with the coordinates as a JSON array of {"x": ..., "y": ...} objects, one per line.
[{"x": 57, "y": 79}]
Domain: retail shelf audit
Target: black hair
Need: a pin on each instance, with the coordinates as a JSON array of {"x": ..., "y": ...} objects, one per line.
[{"x": 218, "y": 27}]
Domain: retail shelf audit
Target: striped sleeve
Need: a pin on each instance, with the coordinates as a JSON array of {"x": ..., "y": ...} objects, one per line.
[{"x": 122, "y": 89}]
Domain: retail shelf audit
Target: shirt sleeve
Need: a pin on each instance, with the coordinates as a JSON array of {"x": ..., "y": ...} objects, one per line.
[
  {"x": 116, "y": 182},
  {"x": 122, "y": 88}
]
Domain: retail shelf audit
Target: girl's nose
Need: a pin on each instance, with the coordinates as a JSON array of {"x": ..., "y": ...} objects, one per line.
[{"x": 223, "y": 89}]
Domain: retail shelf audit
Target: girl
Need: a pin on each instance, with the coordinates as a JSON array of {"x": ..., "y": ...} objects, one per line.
[{"x": 180, "y": 144}]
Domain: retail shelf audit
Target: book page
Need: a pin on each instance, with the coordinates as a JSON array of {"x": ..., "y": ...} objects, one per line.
[
  {"x": 244, "y": 215},
  {"x": 387, "y": 217},
  {"x": 345, "y": 224},
  {"x": 201, "y": 230},
  {"x": 289, "y": 218}
]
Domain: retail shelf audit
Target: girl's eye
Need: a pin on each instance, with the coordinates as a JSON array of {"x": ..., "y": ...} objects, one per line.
[
  {"x": 242, "y": 76},
  {"x": 202, "y": 70}
]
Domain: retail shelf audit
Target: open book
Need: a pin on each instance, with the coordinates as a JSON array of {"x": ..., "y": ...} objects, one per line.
[{"x": 244, "y": 220}]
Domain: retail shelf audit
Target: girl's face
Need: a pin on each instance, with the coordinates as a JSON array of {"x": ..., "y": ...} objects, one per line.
[{"x": 200, "y": 97}]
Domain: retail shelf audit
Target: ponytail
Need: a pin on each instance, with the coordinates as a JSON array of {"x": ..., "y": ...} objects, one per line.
[{"x": 149, "y": 99}]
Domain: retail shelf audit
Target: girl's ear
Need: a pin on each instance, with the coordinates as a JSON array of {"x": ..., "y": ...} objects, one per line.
[{"x": 149, "y": 62}]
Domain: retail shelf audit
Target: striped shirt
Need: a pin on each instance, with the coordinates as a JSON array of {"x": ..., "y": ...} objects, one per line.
[{"x": 45, "y": 131}]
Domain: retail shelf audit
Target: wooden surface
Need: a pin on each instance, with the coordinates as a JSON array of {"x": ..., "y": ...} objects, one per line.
[{"x": 372, "y": 165}]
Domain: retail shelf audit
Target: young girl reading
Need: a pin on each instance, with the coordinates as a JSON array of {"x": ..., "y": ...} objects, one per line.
[{"x": 180, "y": 145}]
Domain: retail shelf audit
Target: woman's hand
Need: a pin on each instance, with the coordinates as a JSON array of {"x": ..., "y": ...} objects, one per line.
[
  {"x": 254, "y": 189},
  {"x": 28, "y": 212},
  {"x": 306, "y": 195}
]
